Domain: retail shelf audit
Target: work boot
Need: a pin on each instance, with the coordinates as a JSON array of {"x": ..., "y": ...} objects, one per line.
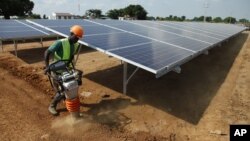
[
  {"x": 52, "y": 110},
  {"x": 52, "y": 107}
]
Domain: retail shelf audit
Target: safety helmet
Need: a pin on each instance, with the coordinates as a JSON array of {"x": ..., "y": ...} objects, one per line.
[{"x": 77, "y": 30}]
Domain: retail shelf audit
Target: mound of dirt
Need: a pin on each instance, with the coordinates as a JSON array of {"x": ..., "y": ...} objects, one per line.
[{"x": 33, "y": 75}]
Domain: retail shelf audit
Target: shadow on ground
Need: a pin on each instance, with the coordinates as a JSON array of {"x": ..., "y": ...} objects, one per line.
[{"x": 186, "y": 95}]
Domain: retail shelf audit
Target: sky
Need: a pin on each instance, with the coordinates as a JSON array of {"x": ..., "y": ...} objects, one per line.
[{"x": 162, "y": 8}]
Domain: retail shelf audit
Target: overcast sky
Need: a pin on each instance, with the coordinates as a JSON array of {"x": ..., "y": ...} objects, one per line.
[{"x": 163, "y": 8}]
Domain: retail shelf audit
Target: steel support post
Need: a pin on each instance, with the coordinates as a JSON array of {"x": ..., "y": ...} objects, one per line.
[
  {"x": 125, "y": 74},
  {"x": 1, "y": 44},
  {"x": 77, "y": 56},
  {"x": 15, "y": 45},
  {"x": 125, "y": 67},
  {"x": 41, "y": 41}
]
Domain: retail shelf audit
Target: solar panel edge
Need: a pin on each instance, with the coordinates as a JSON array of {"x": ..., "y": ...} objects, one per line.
[
  {"x": 132, "y": 62},
  {"x": 165, "y": 70}
]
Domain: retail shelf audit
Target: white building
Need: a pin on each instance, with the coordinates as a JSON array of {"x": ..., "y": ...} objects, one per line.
[
  {"x": 127, "y": 17},
  {"x": 56, "y": 16}
]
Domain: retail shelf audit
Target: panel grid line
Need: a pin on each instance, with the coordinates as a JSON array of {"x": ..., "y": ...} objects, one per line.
[
  {"x": 32, "y": 27},
  {"x": 170, "y": 32},
  {"x": 142, "y": 36}
]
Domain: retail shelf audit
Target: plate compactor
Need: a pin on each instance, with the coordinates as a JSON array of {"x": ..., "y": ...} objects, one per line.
[{"x": 65, "y": 80}]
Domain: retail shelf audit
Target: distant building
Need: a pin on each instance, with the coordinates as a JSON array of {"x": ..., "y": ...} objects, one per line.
[
  {"x": 127, "y": 17},
  {"x": 56, "y": 16},
  {"x": 11, "y": 17}
]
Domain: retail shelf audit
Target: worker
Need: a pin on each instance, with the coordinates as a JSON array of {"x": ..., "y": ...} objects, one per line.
[{"x": 63, "y": 49}]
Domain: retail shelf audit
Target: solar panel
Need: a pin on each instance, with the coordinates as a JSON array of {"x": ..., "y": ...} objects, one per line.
[
  {"x": 153, "y": 54},
  {"x": 20, "y": 29},
  {"x": 218, "y": 28},
  {"x": 158, "y": 47},
  {"x": 190, "y": 29},
  {"x": 16, "y": 29}
]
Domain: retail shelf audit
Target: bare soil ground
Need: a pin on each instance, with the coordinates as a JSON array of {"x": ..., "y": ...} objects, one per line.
[{"x": 212, "y": 92}]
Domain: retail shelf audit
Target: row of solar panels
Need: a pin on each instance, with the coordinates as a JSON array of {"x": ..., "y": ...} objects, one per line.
[
  {"x": 155, "y": 46},
  {"x": 21, "y": 29}
]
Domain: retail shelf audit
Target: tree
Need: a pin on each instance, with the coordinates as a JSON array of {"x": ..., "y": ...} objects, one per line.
[
  {"x": 34, "y": 16},
  {"x": 175, "y": 18},
  {"x": 93, "y": 13},
  {"x": 217, "y": 20},
  {"x": 198, "y": 19},
  {"x": 209, "y": 19},
  {"x": 15, "y": 8},
  {"x": 170, "y": 17},
  {"x": 243, "y": 20},
  {"x": 151, "y": 18},
  {"x": 195, "y": 19},
  {"x": 183, "y": 18},
  {"x": 136, "y": 11},
  {"x": 230, "y": 20},
  {"x": 45, "y": 17},
  {"x": 201, "y": 18},
  {"x": 115, "y": 13},
  {"x": 159, "y": 18}
]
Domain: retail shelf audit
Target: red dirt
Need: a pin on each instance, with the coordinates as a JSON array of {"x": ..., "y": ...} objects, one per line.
[{"x": 211, "y": 93}]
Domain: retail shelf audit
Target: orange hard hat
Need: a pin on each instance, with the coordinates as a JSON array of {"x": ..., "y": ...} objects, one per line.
[{"x": 77, "y": 30}]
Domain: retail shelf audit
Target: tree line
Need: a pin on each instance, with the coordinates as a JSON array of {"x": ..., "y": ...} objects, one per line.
[
  {"x": 131, "y": 11},
  {"x": 23, "y": 9},
  {"x": 201, "y": 18},
  {"x": 138, "y": 12}
]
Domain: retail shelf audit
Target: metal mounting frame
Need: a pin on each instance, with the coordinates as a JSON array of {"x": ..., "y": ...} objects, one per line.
[
  {"x": 1, "y": 44},
  {"x": 77, "y": 56},
  {"x": 15, "y": 45},
  {"x": 41, "y": 41},
  {"x": 125, "y": 74}
]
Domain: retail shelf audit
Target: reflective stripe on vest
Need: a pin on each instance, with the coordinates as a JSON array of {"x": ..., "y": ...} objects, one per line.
[{"x": 66, "y": 50}]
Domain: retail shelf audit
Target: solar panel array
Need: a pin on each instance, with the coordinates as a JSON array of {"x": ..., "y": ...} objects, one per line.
[
  {"x": 155, "y": 46},
  {"x": 20, "y": 29}
]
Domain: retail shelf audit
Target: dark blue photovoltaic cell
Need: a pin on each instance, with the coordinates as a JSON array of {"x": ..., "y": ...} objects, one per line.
[
  {"x": 28, "y": 34},
  {"x": 96, "y": 35},
  {"x": 222, "y": 29},
  {"x": 88, "y": 30},
  {"x": 181, "y": 32},
  {"x": 38, "y": 28},
  {"x": 15, "y": 29},
  {"x": 189, "y": 44},
  {"x": 112, "y": 41},
  {"x": 154, "y": 55},
  {"x": 173, "y": 39},
  {"x": 149, "y": 45},
  {"x": 65, "y": 23},
  {"x": 12, "y": 29},
  {"x": 186, "y": 28}
]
